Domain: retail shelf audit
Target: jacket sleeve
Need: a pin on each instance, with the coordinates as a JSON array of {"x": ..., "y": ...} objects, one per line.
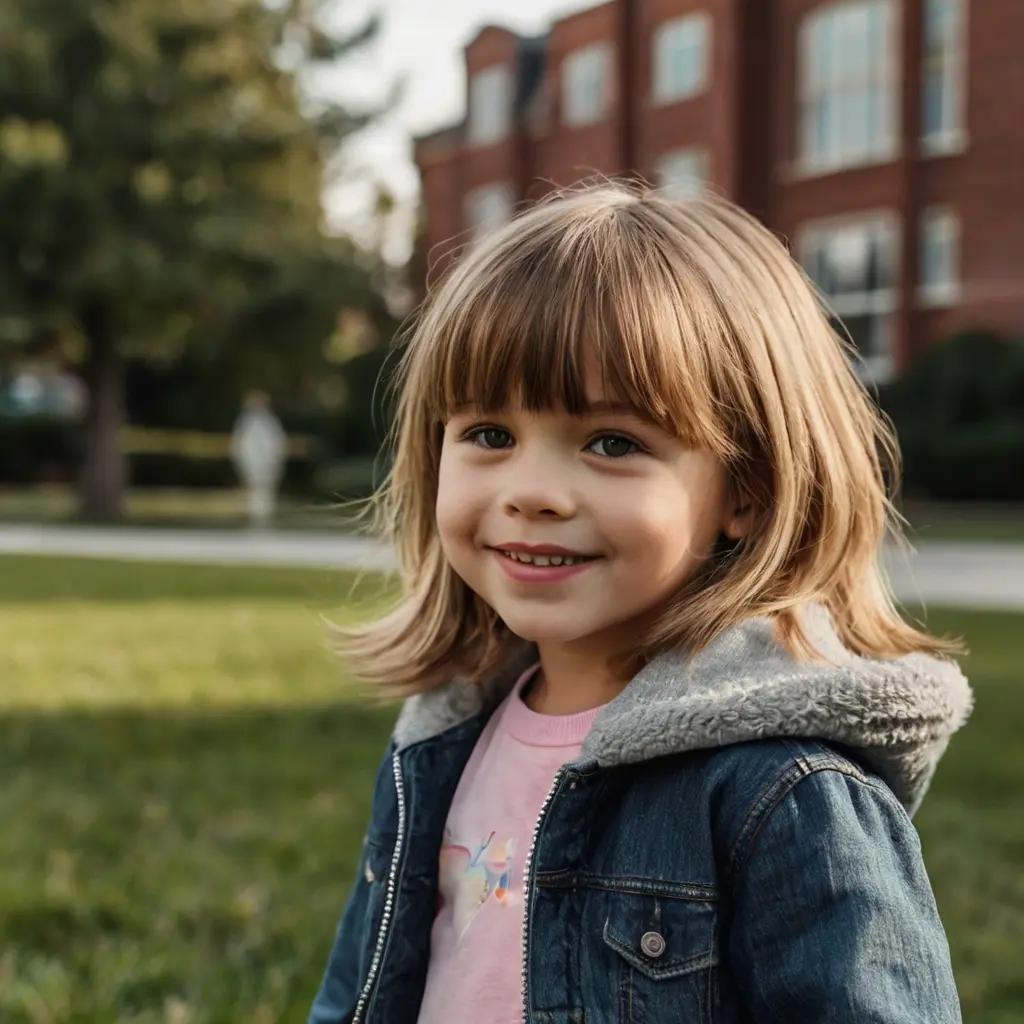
[
  {"x": 833, "y": 917},
  {"x": 336, "y": 1000},
  {"x": 348, "y": 964}
]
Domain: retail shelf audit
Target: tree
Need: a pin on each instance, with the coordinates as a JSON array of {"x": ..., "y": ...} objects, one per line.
[{"x": 161, "y": 172}]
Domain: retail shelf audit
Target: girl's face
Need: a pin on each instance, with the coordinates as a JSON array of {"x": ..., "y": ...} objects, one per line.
[{"x": 613, "y": 513}]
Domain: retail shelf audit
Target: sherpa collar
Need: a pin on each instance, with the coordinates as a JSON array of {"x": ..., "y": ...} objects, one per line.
[{"x": 899, "y": 714}]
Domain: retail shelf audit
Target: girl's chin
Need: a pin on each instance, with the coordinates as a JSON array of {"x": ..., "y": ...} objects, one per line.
[{"x": 544, "y": 632}]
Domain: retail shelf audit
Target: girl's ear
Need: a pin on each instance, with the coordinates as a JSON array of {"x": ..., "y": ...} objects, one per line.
[
  {"x": 740, "y": 520},
  {"x": 748, "y": 495}
]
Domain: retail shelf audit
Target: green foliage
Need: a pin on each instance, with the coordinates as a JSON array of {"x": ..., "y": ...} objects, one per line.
[
  {"x": 161, "y": 173},
  {"x": 959, "y": 411},
  {"x": 35, "y": 450},
  {"x": 38, "y": 449},
  {"x": 360, "y": 426},
  {"x": 349, "y": 479},
  {"x": 154, "y": 155},
  {"x": 173, "y": 470},
  {"x": 981, "y": 463},
  {"x": 203, "y": 391},
  {"x": 41, "y": 450}
]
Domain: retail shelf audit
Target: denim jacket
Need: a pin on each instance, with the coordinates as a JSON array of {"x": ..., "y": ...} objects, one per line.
[{"x": 733, "y": 844}]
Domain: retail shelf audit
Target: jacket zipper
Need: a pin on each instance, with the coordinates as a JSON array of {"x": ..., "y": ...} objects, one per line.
[
  {"x": 527, "y": 878},
  {"x": 389, "y": 900}
]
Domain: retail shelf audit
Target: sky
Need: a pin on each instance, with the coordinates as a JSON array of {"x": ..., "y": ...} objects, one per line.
[{"x": 421, "y": 45}]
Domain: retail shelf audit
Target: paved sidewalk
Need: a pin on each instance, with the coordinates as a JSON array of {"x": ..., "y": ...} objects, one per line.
[
  {"x": 217, "y": 547},
  {"x": 969, "y": 574},
  {"x": 977, "y": 575}
]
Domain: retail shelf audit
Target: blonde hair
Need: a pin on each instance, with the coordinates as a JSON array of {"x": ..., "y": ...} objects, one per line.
[{"x": 700, "y": 319}]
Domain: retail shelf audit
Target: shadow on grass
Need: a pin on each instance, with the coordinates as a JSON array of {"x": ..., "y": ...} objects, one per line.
[{"x": 177, "y": 859}]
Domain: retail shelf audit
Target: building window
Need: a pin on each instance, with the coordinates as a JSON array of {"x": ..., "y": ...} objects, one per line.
[
  {"x": 853, "y": 263},
  {"x": 944, "y": 60},
  {"x": 487, "y": 207},
  {"x": 682, "y": 172},
  {"x": 585, "y": 84},
  {"x": 939, "y": 270},
  {"x": 681, "y": 58},
  {"x": 848, "y": 88},
  {"x": 490, "y": 105}
]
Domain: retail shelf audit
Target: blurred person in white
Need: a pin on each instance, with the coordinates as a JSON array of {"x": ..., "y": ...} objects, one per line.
[{"x": 258, "y": 450}]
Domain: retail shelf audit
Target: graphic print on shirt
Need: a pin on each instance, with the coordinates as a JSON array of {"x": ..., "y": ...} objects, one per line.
[{"x": 470, "y": 876}]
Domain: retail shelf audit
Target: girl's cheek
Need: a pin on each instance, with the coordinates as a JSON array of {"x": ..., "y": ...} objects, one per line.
[
  {"x": 454, "y": 485},
  {"x": 455, "y": 508}
]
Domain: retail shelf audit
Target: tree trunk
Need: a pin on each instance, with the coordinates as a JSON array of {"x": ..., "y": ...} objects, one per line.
[{"x": 101, "y": 490}]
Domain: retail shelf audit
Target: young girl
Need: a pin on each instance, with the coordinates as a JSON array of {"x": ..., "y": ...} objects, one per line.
[{"x": 665, "y": 728}]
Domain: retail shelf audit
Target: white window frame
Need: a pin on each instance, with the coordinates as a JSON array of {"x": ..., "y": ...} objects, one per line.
[
  {"x": 873, "y": 366},
  {"x": 949, "y": 66},
  {"x": 939, "y": 227},
  {"x": 687, "y": 35},
  {"x": 487, "y": 207},
  {"x": 837, "y": 93},
  {"x": 581, "y": 104},
  {"x": 489, "y": 109},
  {"x": 678, "y": 186}
]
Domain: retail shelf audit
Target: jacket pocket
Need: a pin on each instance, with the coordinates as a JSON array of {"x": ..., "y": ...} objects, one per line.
[
  {"x": 666, "y": 950},
  {"x": 375, "y": 865}
]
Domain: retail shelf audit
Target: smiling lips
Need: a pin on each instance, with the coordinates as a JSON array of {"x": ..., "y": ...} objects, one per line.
[{"x": 541, "y": 563}]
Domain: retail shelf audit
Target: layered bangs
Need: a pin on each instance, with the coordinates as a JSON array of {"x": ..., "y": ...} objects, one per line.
[{"x": 549, "y": 301}]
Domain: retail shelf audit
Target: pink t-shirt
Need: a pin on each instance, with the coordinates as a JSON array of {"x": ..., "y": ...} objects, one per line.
[{"x": 475, "y": 971}]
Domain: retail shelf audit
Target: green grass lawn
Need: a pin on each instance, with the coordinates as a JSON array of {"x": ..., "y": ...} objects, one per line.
[{"x": 187, "y": 773}]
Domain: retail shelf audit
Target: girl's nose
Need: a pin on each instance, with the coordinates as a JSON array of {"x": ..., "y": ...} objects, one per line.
[{"x": 539, "y": 492}]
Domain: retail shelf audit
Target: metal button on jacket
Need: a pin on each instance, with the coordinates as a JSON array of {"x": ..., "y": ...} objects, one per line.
[{"x": 653, "y": 944}]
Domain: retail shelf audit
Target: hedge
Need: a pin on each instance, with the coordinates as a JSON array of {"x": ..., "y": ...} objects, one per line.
[
  {"x": 959, "y": 412},
  {"x": 35, "y": 450},
  {"x": 39, "y": 449}
]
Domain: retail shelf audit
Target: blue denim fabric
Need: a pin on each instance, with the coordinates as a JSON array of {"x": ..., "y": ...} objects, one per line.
[{"x": 767, "y": 881}]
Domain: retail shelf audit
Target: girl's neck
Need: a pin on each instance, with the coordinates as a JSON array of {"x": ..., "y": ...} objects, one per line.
[{"x": 571, "y": 681}]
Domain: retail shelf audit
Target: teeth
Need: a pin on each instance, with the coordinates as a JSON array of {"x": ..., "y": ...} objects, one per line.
[{"x": 544, "y": 560}]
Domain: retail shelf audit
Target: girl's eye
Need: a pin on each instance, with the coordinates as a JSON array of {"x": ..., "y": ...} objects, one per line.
[
  {"x": 493, "y": 438},
  {"x": 613, "y": 446}
]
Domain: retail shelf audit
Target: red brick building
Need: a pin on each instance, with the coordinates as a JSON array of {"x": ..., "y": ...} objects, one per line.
[{"x": 883, "y": 138}]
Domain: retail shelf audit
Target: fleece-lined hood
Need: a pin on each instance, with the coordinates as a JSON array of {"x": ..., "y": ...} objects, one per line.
[{"x": 898, "y": 714}]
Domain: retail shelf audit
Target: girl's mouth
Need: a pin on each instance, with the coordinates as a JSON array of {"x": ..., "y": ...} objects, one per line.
[
  {"x": 525, "y": 567},
  {"x": 553, "y": 559}
]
